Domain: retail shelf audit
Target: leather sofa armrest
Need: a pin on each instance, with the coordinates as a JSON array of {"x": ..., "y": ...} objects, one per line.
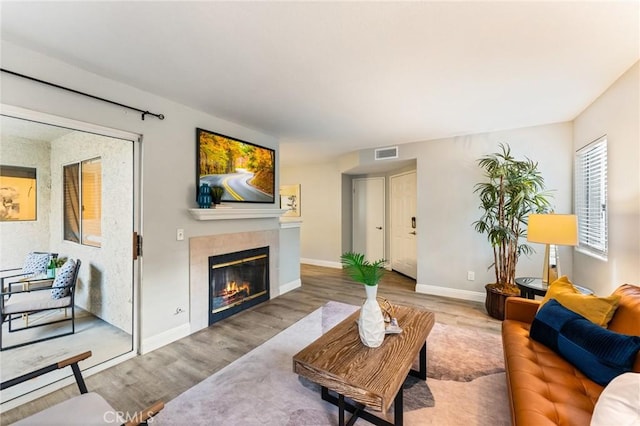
[{"x": 519, "y": 309}]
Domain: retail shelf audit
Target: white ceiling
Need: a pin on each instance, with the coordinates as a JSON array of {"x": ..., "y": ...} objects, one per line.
[
  {"x": 332, "y": 77},
  {"x": 32, "y": 130}
]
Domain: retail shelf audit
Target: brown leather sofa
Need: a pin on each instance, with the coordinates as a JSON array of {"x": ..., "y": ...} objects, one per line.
[{"x": 544, "y": 389}]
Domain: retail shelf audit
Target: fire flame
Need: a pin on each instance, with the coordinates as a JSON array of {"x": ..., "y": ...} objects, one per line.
[{"x": 233, "y": 288}]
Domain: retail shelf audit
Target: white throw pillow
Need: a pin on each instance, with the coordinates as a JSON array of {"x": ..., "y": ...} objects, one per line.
[
  {"x": 619, "y": 402},
  {"x": 60, "y": 286},
  {"x": 36, "y": 263}
]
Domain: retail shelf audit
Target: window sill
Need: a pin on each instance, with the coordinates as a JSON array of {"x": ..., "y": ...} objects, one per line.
[{"x": 591, "y": 254}]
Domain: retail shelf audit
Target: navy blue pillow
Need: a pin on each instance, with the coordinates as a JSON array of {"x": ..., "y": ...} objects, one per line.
[{"x": 599, "y": 353}]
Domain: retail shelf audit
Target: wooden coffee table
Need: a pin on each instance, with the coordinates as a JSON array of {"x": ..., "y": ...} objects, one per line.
[{"x": 371, "y": 377}]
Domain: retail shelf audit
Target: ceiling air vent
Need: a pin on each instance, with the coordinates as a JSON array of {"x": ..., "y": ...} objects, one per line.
[{"x": 386, "y": 153}]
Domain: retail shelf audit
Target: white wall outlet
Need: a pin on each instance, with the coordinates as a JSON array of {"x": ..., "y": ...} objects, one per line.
[
  {"x": 471, "y": 275},
  {"x": 180, "y": 234}
]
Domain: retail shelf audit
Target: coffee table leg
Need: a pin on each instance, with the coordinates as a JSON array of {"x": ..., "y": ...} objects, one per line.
[
  {"x": 358, "y": 410},
  {"x": 340, "y": 409},
  {"x": 422, "y": 372},
  {"x": 398, "y": 409}
]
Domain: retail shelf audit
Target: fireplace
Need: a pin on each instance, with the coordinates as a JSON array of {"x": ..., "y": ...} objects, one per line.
[{"x": 237, "y": 281}]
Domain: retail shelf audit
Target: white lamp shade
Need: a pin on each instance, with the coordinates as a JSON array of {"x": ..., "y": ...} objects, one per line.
[{"x": 558, "y": 229}]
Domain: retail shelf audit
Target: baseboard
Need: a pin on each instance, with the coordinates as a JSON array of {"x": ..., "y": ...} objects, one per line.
[
  {"x": 164, "y": 338},
  {"x": 284, "y": 288},
  {"x": 325, "y": 263},
  {"x": 450, "y": 292}
]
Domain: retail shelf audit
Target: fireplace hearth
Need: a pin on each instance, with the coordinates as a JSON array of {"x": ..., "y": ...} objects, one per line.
[{"x": 237, "y": 281}]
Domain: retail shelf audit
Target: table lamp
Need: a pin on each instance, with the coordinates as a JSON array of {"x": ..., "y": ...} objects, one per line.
[{"x": 552, "y": 229}]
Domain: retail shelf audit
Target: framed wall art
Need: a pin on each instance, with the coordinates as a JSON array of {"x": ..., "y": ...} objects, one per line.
[
  {"x": 18, "y": 193},
  {"x": 290, "y": 200}
]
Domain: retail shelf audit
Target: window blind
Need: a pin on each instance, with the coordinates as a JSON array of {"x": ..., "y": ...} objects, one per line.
[
  {"x": 91, "y": 202},
  {"x": 71, "y": 210},
  {"x": 591, "y": 197}
]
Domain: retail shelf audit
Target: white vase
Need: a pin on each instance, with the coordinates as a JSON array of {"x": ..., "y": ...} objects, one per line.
[{"x": 371, "y": 321}]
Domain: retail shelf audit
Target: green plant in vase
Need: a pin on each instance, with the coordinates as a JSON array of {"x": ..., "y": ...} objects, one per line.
[
  {"x": 361, "y": 270},
  {"x": 371, "y": 321}
]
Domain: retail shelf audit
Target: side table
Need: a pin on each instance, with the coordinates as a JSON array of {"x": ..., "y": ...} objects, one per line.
[{"x": 531, "y": 287}]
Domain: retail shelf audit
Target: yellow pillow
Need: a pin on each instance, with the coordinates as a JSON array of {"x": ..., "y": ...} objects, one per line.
[{"x": 598, "y": 310}]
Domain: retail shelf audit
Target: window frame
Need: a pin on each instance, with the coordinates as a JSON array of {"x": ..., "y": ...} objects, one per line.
[
  {"x": 76, "y": 223},
  {"x": 591, "y": 198}
]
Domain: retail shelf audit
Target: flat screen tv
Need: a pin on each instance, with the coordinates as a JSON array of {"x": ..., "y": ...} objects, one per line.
[{"x": 245, "y": 170}]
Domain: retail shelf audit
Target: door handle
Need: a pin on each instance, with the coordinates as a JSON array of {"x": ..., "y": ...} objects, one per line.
[
  {"x": 413, "y": 232},
  {"x": 378, "y": 227}
]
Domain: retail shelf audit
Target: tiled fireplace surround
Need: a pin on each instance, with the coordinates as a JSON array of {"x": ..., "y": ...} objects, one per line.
[{"x": 200, "y": 248}]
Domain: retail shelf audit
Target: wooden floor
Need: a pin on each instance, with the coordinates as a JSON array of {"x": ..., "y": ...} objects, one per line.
[{"x": 167, "y": 372}]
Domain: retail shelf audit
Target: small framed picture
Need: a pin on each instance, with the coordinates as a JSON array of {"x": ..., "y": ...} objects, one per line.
[
  {"x": 18, "y": 193},
  {"x": 290, "y": 200}
]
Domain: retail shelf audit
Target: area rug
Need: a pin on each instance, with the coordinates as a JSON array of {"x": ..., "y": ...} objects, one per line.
[{"x": 465, "y": 385}]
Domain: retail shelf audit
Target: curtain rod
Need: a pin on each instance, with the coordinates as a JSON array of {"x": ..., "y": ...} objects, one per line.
[{"x": 159, "y": 116}]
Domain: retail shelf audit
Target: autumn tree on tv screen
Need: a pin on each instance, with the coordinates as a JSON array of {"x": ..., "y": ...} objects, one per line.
[{"x": 246, "y": 171}]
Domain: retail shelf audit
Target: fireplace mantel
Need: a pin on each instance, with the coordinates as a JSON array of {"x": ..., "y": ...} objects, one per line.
[{"x": 233, "y": 213}]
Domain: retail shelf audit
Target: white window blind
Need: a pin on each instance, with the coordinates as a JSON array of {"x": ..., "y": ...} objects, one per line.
[{"x": 591, "y": 197}]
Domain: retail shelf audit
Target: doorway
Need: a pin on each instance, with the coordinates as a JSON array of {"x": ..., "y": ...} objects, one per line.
[
  {"x": 106, "y": 290},
  {"x": 369, "y": 217},
  {"x": 403, "y": 244}
]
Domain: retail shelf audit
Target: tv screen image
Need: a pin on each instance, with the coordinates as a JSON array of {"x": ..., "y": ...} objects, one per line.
[{"x": 245, "y": 170}]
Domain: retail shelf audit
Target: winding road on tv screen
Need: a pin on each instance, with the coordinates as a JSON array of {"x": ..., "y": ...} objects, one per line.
[{"x": 236, "y": 187}]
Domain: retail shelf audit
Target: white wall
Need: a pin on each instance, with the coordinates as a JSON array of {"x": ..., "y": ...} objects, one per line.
[
  {"x": 616, "y": 113},
  {"x": 20, "y": 238},
  {"x": 104, "y": 281},
  {"x": 448, "y": 246},
  {"x": 447, "y": 171},
  {"x": 168, "y": 178},
  {"x": 321, "y": 211},
  {"x": 289, "y": 255}
]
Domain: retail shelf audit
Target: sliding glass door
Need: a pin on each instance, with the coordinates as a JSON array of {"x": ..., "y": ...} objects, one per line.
[{"x": 86, "y": 195}]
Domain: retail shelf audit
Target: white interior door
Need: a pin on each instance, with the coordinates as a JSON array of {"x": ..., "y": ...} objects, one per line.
[
  {"x": 403, "y": 224},
  {"x": 368, "y": 217}
]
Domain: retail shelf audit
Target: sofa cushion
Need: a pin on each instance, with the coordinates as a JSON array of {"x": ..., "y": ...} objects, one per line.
[
  {"x": 34, "y": 301},
  {"x": 619, "y": 402},
  {"x": 599, "y": 353},
  {"x": 626, "y": 318},
  {"x": 599, "y": 310},
  {"x": 544, "y": 388}
]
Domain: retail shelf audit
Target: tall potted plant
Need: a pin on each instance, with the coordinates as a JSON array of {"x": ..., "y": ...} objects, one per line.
[
  {"x": 371, "y": 321},
  {"x": 513, "y": 189}
]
